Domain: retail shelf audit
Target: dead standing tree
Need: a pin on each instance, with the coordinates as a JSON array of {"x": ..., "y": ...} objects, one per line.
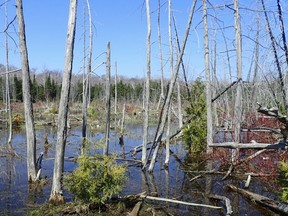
[
  {"x": 26, "y": 89},
  {"x": 147, "y": 87},
  {"x": 165, "y": 107},
  {"x": 8, "y": 102},
  {"x": 238, "y": 98},
  {"x": 161, "y": 98},
  {"x": 86, "y": 76},
  {"x": 56, "y": 196},
  {"x": 208, "y": 77},
  {"x": 171, "y": 73},
  {"x": 108, "y": 101}
]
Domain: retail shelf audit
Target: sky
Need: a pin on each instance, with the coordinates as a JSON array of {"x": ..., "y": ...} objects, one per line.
[{"x": 123, "y": 23}]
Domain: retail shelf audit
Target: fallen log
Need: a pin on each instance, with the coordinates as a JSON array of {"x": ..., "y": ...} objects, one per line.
[
  {"x": 178, "y": 202},
  {"x": 253, "y": 145},
  {"x": 263, "y": 201},
  {"x": 273, "y": 112}
]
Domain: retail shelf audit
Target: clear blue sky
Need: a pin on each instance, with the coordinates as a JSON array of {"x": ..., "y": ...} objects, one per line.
[{"x": 123, "y": 23}]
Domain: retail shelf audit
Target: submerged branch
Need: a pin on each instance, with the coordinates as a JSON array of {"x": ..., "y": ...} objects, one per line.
[{"x": 179, "y": 202}]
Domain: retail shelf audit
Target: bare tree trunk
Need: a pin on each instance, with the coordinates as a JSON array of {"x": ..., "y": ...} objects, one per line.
[
  {"x": 164, "y": 113},
  {"x": 89, "y": 64},
  {"x": 179, "y": 100},
  {"x": 56, "y": 196},
  {"x": 84, "y": 82},
  {"x": 171, "y": 73},
  {"x": 182, "y": 63},
  {"x": 108, "y": 101},
  {"x": 238, "y": 99},
  {"x": 8, "y": 101},
  {"x": 215, "y": 82},
  {"x": 121, "y": 138},
  {"x": 115, "y": 111},
  {"x": 86, "y": 78},
  {"x": 208, "y": 79},
  {"x": 147, "y": 86},
  {"x": 161, "y": 98},
  {"x": 26, "y": 85}
]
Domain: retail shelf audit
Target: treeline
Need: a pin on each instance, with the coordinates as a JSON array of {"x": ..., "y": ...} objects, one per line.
[{"x": 46, "y": 86}]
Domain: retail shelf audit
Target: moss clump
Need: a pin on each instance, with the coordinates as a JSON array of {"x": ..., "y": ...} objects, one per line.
[{"x": 96, "y": 179}]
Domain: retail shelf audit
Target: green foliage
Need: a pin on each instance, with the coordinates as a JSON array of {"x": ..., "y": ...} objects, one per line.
[
  {"x": 284, "y": 183},
  {"x": 92, "y": 112},
  {"x": 17, "y": 120},
  {"x": 194, "y": 134},
  {"x": 96, "y": 179},
  {"x": 51, "y": 88},
  {"x": 53, "y": 110},
  {"x": 18, "y": 88}
]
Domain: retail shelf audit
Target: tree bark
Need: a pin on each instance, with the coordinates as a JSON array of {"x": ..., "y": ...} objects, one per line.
[
  {"x": 115, "y": 101},
  {"x": 147, "y": 86},
  {"x": 208, "y": 80},
  {"x": 86, "y": 76},
  {"x": 171, "y": 73},
  {"x": 238, "y": 99},
  {"x": 56, "y": 196},
  {"x": 26, "y": 85},
  {"x": 161, "y": 98},
  {"x": 8, "y": 101},
  {"x": 182, "y": 64},
  {"x": 108, "y": 101}
]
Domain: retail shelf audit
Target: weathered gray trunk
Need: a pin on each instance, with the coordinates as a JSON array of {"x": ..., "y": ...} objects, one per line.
[
  {"x": 161, "y": 98},
  {"x": 238, "y": 98},
  {"x": 8, "y": 102},
  {"x": 115, "y": 99},
  {"x": 26, "y": 84},
  {"x": 171, "y": 73},
  {"x": 108, "y": 101},
  {"x": 182, "y": 64},
  {"x": 166, "y": 104},
  {"x": 56, "y": 193},
  {"x": 208, "y": 79},
  {"x": 84, "y": 81},
  {"x": 147, "y": 86},
  {"x": 86, "y": 76}
]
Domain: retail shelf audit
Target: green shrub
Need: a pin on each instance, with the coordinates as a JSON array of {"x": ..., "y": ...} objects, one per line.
[
  {"x": 283, "y": 182},
  {"x": 53, "y": 110},
  {"x": 92, "y": 113},
  {"x": 17, "y": 120},
  {"x": 195, "y": 133},
  {"x": 96, "y": 179}
]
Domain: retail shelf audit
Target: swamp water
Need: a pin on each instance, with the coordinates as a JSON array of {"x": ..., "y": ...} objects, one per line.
[{"x": 16, "y": 198}]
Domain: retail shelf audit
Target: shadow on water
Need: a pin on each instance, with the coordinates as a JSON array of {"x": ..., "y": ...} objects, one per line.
[{"x": 178, "y": 182}]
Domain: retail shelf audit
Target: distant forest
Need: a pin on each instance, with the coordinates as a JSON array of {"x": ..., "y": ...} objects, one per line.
[{"x": 46, "y": 86}]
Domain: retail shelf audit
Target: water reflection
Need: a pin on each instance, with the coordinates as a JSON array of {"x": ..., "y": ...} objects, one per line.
[{"x": 174, "y": 183}]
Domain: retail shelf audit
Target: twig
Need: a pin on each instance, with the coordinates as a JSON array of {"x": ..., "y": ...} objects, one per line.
[{"x": 225, "y": 199}]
